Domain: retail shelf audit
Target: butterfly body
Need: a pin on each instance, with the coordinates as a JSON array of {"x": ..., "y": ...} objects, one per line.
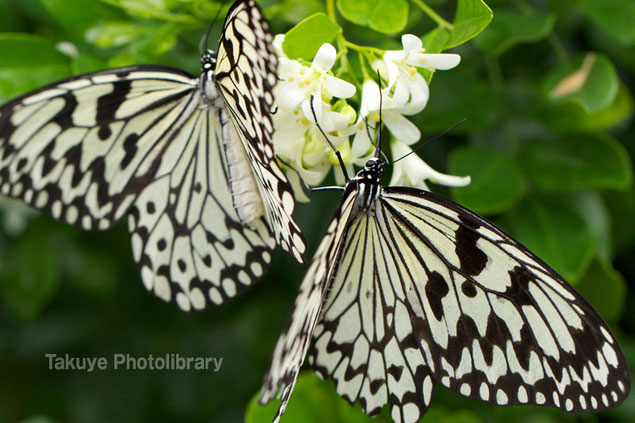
[{"x": 188, "y": 160}]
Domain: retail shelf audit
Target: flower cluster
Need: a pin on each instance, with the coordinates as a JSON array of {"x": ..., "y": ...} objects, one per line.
[{"x": 309, "y": 93}]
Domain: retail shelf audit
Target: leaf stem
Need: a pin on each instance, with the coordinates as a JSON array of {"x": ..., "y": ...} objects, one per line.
[
  {"x": 558, "y": 48},
  {"x": 433, "y": 15},
  {"x": 330, "y": 10},
  {"x": 363, "y": 49}
]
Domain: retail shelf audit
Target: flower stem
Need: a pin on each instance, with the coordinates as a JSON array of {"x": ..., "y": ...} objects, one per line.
[{"x": 433, "y": 15}]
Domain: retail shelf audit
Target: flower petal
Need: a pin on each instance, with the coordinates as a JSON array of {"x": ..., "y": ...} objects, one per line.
[
  {"x": 411, "y": 43},
  {"x": 370, "y": 97},
  {"x": 441, "y": 61},
  {"x": 289, "y": 96},
  {"x": 324, "y": 58},
  {"x": 401, "y": 128},
  {"x": 338, "y": 87},
  {"x": 277, "y": 45}
]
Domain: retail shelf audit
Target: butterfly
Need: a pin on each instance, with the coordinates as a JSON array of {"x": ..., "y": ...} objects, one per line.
[
  {"x": 188, "y": 160},
  {"x": 408, "y": 289}
]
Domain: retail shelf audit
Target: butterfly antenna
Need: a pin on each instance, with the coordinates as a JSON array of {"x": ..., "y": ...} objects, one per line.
[
  {"x": 202, "y": 45},
  {"x": 430, "y": 140},
  {"x": 372, "y": 141},
  {"x": 381, "y": 101},
  {"x": 335, "y": 150}
]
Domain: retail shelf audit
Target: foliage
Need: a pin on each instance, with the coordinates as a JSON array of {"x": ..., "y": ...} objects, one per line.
[{"x": 549, "y": 140}]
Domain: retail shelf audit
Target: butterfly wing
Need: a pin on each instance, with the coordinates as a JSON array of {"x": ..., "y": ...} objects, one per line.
[
  {"x": 76, "y": 149},
  {"x": 293, "y": 343},
  {"x": 246, "y": 74},
  {"x": 190, "y": 245},
  {"x": 427, "y": 291},
  {"x": 89, "y": 149}
]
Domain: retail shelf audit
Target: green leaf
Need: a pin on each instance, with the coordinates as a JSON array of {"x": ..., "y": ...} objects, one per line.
[
  {"x": 605, "y": 288},
  {"x": 116, "y": 33},
  {"x": 555, "y": 232},
  {"x": 472, "y": 17},
  {"x": 475, "y": 102},
  {"x": 313, "y": 401},
  {"x": 26, "y": 285},
  {"x": 435, "y": 40},
  {"x": 595, "y": 213},
  {"x": 579, "y": 161},
  {"x": 27, "y": 62},
  {"x": 568, "y": 116},
  {"x": 590, "y": 81},
  {"x": 387, "y": 16},
  {"x": 76, "y": 16},
  {"x": 621, "y": 206},
  {"x": 304, "y": 40},
  {"x": 497, "y": 182},
  {"x": 510, "y": 27},
  {"x": 615, "y": 17}
]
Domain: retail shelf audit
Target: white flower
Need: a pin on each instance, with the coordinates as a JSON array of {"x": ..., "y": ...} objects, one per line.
[
  {"x": 301, "y": 83},
  {"x": 391, "y": 115},
  {"x": 300, "y": 144},
  {"x": 302, "y": 92},
  {"x": 277, "y": 46},
  {"x": 407, "y": 92},
  {"x": 412, "y": 171}
]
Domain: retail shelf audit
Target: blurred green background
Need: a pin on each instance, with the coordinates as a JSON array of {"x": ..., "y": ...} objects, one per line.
[{"x": 552, "y": 168}]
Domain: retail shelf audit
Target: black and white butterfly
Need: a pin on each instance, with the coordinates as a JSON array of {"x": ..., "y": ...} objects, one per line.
[
  {"x": 407, "y": 289},
  {"x": 188, "y": 159}
]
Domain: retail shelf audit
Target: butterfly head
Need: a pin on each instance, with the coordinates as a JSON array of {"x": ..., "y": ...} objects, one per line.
[
  {"x": 208, "y": 61},
  {"x": 372, "y": 171}
]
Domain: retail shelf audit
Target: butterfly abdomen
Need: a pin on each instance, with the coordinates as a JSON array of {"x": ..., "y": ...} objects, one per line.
[{"x": 245, "y": 195}]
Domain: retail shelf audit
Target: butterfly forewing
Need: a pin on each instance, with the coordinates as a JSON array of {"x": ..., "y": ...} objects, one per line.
[
  {"x": 80, "y": 149},
  {"x": 246, "y": 74}
]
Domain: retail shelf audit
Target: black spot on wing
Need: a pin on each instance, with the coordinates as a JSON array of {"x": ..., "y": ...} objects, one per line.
[
  {"x": 48, "y": 164},
  {"x": 108, "y": 104},
  {"x": 21, "y": 163},
  {"x": 518, "y": 291},
  {"x": 130, "y": 147},
  {"x": 472, "y": 259},
  {"x": 104, "y": 132},
  {"x": 436, "y": 289},
  {"x": 64, "y": 118},
  {"x": 73, "y": 158},
  {"x": 468, "y": 289}
]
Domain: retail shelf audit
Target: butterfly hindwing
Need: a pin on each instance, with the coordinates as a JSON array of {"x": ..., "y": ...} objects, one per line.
[{"x": 191, "y": 248}]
